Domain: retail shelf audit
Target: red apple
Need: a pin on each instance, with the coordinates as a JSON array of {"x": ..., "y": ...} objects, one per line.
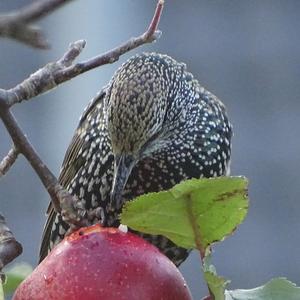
[{"x": 104, "y": 264}]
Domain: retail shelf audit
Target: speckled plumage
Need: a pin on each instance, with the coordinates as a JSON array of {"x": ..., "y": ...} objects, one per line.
[{"x": 154, "y": 120}]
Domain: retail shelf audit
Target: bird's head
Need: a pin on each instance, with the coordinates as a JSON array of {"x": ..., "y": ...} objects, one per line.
[{"x": 136, "y": 106}]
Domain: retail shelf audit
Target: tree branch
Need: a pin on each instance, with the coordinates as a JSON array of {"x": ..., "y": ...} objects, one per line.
[
  {"x": 8, "y": 160},
  {"x": 9, "y": 247},
  {"x": 17, "y": 25},
  {"x": 150, "y": 33},
  {"x": 46, "y": 79}
]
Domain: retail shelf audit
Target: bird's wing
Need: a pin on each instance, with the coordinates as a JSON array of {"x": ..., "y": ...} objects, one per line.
[{"x": 71, "y": 165}]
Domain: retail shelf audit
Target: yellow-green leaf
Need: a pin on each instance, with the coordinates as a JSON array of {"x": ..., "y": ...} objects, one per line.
[
  {"x": 194, "y": 213},
  {"x": 1, "y": 291},
  {"x": 15, "y": 275}
]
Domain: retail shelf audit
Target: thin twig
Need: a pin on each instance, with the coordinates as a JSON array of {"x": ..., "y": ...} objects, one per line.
[
  {"x": 150, "y": 33},
  {"x": 17, "y": 25},
  {"x": 149, "y": 36},
  {"x": 9, "y": 247},
  {"x": 8, "y": 161},
  {"x": 46, "y": 79},
  {"x": 38, "y": 9}
]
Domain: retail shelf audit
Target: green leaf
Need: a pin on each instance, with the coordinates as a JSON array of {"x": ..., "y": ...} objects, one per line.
[
  {"x": 15, "y": 275},
  {"x": 194, "y": 213},
  {"x": 216, "y": 284},
  {"x": 1, "y": 291},
  {"x": 275, "y": 289}
]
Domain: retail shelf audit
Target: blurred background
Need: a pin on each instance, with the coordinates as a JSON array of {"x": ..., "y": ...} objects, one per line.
[{"x": 246, "y": 52}]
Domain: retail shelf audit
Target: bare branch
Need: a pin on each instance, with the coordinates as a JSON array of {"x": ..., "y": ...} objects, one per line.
[
  {"x": 38, "y": 9},
  {"x": 17, "y": 25},
  {"x": 8, "y": 161},
  {"x": 63, "y": 70},
  {"x": 72, "y": 53},
  {"x": 44, "y": 79},
  {"x": 62, "y": 201},
  {"x": 9, "y": 247},
  {"x": 150, "y": 33},
  {"x": 23, "y": 33}
]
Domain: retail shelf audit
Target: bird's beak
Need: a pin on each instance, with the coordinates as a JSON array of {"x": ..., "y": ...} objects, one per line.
[{"x": 123, "y": 167}]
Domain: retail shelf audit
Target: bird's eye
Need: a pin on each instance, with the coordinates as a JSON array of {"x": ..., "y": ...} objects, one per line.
[{"x": 150, "y": 141}]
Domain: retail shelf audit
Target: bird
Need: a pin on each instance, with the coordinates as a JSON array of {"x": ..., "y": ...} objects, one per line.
[{"x": 151, "y": 127}]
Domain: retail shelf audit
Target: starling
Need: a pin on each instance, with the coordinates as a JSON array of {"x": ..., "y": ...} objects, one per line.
[{"x": 151, "y": 127}]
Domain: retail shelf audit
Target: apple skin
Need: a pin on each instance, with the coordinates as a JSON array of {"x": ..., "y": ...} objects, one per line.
[{"x": 96, "y": 263}]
